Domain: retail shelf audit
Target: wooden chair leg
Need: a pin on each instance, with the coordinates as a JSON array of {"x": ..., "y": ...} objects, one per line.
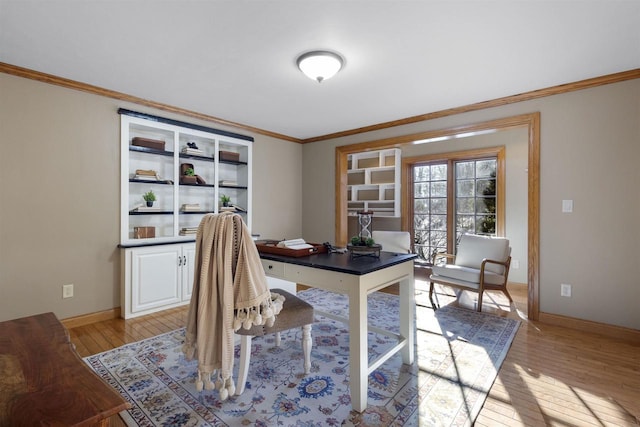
[
  {"x": 480, "y": 300},
  {"x": 278, "y": 339},
  {"x": 243, "y": 366},
  {"x": 506, "y": 292},
  {"x": 433, "y": 304},
  {"x": 306, "y": 347}
]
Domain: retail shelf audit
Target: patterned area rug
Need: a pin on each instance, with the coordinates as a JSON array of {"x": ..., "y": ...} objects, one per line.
[{"x": 458, "y": 355}]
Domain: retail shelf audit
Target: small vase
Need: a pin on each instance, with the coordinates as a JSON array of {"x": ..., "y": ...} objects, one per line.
[{"x": 149, "y": 203}]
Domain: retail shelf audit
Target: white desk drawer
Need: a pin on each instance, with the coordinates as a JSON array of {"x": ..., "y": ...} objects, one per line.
[{"x": 273, "y": 268}]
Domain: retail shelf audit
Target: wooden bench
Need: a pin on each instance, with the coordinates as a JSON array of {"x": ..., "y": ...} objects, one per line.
[{"x": 43, "y": 381}]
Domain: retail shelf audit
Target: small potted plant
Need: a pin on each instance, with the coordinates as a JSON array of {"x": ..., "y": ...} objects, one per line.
[
  {"x": 225, "y": 200},
  {"x": 363, "y": 246},
  {"x": 149, "y": 197}
]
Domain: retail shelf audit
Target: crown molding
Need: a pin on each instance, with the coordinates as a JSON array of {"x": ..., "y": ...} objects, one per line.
[
  {"x": 96, "y": 90},
  {"x": 526, "y": 96}
]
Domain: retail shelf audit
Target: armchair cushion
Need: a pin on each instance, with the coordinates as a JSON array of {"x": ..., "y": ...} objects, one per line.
[
  {"x": 465, "y": 276},
  {"x": 472, "y": 249}
]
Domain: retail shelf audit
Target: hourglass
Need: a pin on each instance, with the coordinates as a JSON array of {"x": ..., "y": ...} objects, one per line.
[{"x": 364, "y": 219}]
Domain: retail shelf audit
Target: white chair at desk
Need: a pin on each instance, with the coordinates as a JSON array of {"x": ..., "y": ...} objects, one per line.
[{"x": 393, "y": 241}]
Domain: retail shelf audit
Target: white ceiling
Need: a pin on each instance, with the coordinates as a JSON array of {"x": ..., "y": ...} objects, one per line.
[{"x": 235, "y": 59}]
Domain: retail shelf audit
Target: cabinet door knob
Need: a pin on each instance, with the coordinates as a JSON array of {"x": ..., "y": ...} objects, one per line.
[
  {"x": 270, "y": 266},
  {"x": 179, "y": 261},
  {"x": 184, "y": 260}
]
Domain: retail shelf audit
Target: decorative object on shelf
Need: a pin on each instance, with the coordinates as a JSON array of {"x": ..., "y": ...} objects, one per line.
[
  {"x": 224, "y": 199},
  {"x": 320, "y": 65},
  {"x": 144, "y": 232},
  {"x": 192, "y": 149},
  {"x": 363, "y": 244},
  {"x": 229, "y": 156},
  {"x": 149, "y": 197},
  {"x": 156, "y": 144},
  {"x": 188, "y": 175}
]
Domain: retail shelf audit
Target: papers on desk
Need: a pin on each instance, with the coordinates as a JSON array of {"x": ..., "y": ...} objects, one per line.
[{"x": 294, "y": 244}]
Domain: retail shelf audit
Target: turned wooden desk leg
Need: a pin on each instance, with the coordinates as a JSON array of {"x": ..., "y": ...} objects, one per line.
[{"x": 306, "y": 347}]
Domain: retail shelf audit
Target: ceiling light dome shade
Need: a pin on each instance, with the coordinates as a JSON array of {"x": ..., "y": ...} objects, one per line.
[{"x": 320, "y": 65}]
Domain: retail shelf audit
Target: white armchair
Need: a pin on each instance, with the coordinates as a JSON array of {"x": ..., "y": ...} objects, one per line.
[{"x": 481, "y": 263}]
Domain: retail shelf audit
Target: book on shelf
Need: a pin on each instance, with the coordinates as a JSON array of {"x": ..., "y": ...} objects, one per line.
[
  {"x": 228, "y": 182},
  {"x": 194, "y": 151},
  {"x": 191, "y": 207},
  {"x": 188, "y": 231},
  {"x": 149, "y": 172},
  {"x": 146, "y": 175}
]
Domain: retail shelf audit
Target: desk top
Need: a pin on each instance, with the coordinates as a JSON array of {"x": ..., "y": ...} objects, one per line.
[
  {"x": 43, "y": 381},
  {"x": 343, "y": 263}
]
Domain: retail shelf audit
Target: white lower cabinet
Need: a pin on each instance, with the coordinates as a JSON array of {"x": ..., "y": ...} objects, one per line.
[{"x": 156, "y": 278}]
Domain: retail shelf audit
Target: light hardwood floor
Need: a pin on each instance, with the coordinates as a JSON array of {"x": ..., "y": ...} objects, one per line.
[{"x": 551, "y": 376}]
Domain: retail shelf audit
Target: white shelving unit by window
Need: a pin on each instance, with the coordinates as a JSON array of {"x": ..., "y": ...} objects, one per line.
[{"x": 373, "y": 182}]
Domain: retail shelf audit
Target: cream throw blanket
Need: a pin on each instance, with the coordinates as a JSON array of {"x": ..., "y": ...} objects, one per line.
[{"x": 229, "y": 291}]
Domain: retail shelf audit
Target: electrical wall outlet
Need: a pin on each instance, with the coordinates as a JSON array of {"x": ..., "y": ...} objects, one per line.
[
  {"x": 67, "y": 291},
  {"x": 515, "y": 263},
  {"x": 565, "y": 290}
]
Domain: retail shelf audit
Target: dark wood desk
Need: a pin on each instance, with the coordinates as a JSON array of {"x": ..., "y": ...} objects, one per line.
[
  {"x": 43, "y": 381},
  {"x": 357, "y": 278}
]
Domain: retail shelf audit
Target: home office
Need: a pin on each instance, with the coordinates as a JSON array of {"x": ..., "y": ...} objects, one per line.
[{"x": 70, "y": 138}]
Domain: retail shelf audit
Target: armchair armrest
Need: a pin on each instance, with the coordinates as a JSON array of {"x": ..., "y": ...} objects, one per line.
[
  {"x": 446, "y": 256},
  {"x": 506, "y": 264}
]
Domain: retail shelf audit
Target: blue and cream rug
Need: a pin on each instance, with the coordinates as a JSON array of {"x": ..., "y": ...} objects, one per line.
[{"x": 458, "y": 355}]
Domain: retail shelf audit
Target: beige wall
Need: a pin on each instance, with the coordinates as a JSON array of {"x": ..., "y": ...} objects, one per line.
[
  {"x": 590, "y": 146},
  {"x": 59, "y": 197}
]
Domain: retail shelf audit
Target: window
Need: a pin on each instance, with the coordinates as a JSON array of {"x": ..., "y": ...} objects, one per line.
[
  {"x": 430, "y": 209},
  {"x": 475, "y": 197},
  {"x": 452, "y": 196}
]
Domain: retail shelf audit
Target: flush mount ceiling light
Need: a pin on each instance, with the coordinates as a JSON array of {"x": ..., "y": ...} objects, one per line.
[{"x": 319, "y": 65}]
